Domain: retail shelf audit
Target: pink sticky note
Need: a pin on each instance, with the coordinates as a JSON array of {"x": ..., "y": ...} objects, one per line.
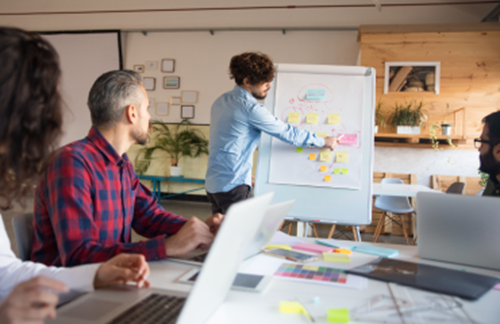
[
  {"x": 349, "y": 139},
  {"x": 312, "y": 248},
  {"x": 497, "y": 287}
]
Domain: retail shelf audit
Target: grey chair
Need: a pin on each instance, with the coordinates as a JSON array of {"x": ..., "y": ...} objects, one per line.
[
  {"x": 456, "y": 188},
  {"x": 23, "y": 228},
  {"x": 480, "y": 192},
  {"x": 395, "y": 205}
]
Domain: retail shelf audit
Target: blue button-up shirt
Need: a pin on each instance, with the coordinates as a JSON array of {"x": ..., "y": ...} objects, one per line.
[{"x": 236, "y": 122}]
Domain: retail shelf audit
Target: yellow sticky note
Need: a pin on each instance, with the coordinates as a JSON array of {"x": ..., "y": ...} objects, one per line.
[
  {"x": 294, "y": 118},
  {"x": 319, "y": 134},
  {"x": 312, "y": 156},
  {"x": 343, "y": 251},
  {"x": 279, "y": 246},
  {"x": 342, "y": 156},
  {"x": 336, "y": 171},
  {"x": 333, "y": 118},
  {"x": 328, "y": 178},
  {"x": 345, "y": 171},
  {"x": 292, "y": 307},
  {"x": 336, "y": 257},
  {"x": 300, "y": 149},
  {"x": 312, "y": 118},
  {"x": 323, "y": 168},
  {"x": 325, "y": 155}
]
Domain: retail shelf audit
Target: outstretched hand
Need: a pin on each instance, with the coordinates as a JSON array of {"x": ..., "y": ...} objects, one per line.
[
  {"x": 331, "y": 143},
  {"x": 123, "y": 268}
]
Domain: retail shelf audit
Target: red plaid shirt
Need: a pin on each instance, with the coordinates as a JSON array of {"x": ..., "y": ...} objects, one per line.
[{"x": 87, "y": 203}]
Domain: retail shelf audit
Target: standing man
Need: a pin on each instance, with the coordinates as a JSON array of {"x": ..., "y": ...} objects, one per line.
[
  {"x": 489, "y": 151},
  {"x": 236, "y": 123}
]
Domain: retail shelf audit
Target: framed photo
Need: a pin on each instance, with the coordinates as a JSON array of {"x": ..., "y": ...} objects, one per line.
[
  {"x": 171, "y": 82},
  {"x": 187, "y": 112},
  {"x": 168, "y": 65},
  {"x": 412, "y": 77},
  {"x": 152, "y": 65},
  {"x": 175, "y": 101},
  {"x": 139, "y": 68},
  {"x": 189, "y": 97},
  {"x": 162, "y": 109},
  {"x": 149, "y": 83}
]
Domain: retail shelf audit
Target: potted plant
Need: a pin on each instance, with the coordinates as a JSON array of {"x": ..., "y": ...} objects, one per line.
[
  {"x": 379, "y": 117},
  {"x": 177, "y": 142},
  {"x": 445, "y": 128},
  {"x": 408, "y": 117}
]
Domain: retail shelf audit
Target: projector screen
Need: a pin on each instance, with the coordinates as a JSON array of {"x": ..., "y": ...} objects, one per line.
[{"x": 84, "y": 57}]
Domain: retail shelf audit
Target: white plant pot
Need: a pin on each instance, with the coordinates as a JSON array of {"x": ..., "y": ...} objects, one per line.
[
  {"x": 416, "y": 130},
  {"x": 404, "y": 130},
  {"x": 446, "y": 129},
  {"x": 375, "y": 129},
  {"x": 175, "y": 171}
]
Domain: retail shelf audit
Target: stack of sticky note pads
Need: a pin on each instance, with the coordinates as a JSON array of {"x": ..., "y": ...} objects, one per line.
[{"x": 338, "y": 255}]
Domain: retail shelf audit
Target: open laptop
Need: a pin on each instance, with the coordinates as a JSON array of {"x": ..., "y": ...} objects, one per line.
[
  {"x": 127, "y": 304},
  {"x": 272, "y": 220},
  {"x": 459, "y": 228}
]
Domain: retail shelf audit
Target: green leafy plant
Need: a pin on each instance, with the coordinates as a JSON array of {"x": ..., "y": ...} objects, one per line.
[
  {"x": 434, "y": 138},
  {"x": 177, "y": 142},
  {"x": 408, "y": 114},
  {"x": 484, "y": 178},
  {"x": 379, "y": 117}
]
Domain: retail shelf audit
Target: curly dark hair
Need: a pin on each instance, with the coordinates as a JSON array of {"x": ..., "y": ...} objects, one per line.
[
  {"x": 493, "y": 122},
  {"x": 255, "y": 66},
  {"x": 30, "y": 106}
]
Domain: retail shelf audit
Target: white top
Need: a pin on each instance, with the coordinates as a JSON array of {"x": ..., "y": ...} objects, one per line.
[{"x": 14, "y": 271}]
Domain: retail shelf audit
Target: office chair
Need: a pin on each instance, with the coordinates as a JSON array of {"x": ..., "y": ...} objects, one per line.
[
  {"x": 480, "y": 192},
  {"x": 456, "y": 188},
  {"x": 23, "y": 228},
  {"x": 395, "y": 205}
]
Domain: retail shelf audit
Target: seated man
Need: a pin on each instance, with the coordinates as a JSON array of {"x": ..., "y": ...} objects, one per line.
[
  {"x": 90, "y": 197},
  {"x": 489, "y": 151}
]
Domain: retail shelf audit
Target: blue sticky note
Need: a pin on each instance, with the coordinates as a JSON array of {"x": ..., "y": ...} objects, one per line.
[
  {"x": 383, "y": 252},
  {"x": 316, "y": 94}
]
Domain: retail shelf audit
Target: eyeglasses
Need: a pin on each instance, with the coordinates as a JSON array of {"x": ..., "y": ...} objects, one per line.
[{"x": 478, "y": 140}]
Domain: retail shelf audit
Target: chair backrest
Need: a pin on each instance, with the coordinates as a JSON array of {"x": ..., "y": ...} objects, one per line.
[
  {"x": 23, "y": 228},
  {"x": 393, "y": 203},
  {"x": 480, "y": 192},
  {"x": 456, "y": 188}
]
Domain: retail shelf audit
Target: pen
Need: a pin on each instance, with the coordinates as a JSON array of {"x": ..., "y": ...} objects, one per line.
[
  {"x": 340, "y": 137},
  {"x": 327, "y": 244}
]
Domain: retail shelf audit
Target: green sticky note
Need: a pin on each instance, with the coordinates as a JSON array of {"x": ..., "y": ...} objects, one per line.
[
  {"x": 338, "y": 315},
  {"x": 345, "y": 171},
  {"x": 300, "y": 149},
  {"x": 336, "y": 171}
]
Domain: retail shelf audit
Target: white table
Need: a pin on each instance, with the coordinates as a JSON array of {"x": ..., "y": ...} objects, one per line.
[
  {"x": 402, "y": 190},
  {"x": 245, "y": 307}
]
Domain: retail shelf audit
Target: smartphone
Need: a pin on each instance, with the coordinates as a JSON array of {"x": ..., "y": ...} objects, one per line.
[
  {"x": 291, "y": 255},
  {"x": 243, "y": 281}
]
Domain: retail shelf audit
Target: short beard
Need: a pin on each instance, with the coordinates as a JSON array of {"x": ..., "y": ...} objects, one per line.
[
  {"x": 140, "y": 137},
  {"x": 489, "y": 164},
  {"x": 258, "y": 96}
]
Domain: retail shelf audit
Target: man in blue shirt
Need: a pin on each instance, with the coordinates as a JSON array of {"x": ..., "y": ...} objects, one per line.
[{"x": 236, "y": 122}]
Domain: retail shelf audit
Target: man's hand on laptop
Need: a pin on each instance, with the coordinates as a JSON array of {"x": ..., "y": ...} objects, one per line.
[
  {"x": 123, "y": 268},
  {"x": 193, "y": 234},
  {"x": 214, "y": 222}
]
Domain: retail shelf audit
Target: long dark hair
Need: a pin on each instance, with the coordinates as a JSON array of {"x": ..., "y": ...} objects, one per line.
[{"x": 30, "y": 111}]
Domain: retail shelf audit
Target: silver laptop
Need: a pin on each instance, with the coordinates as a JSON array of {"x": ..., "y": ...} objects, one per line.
[
  {"x": 459, "y": 228},
  {"x": 127, "y": 304},
  {"x": 275, "y": 215}
]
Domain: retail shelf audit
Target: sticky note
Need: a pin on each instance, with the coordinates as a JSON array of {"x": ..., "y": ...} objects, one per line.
[
  {"x": 328, "y": 178},
  {"x": 312, "y": 118},
  {"x": 316, "y": 94},
  {"x": 291, "y": 307},
  {"x": 342, "y": 156},
  {"x": 323, "y": 168},
  {"x": 349, "y": 139},
  {"x": 497, "y": 287},
  {"x": 279, "y": 246},
  {"x": 300, "y": 149},
  {"x": 336, "y": 257},
  {"x": 312, "y": 247},
  {"x": 336, "y": 171},
  {"x": 325, "y": 155},
  {"x": 312, "y": 156},
  {"x": 333, "y": 119},
  {"x": 345, "y": 171},
  {"x": 319, "y": 134},
  {"x": 343, "y": 251},
  {"x": 338, "y": 315},
  {"x": 294, "y": 118}
]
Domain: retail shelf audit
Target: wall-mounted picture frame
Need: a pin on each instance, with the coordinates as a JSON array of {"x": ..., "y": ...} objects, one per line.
[
  {"x": 187, "y": 112},
  {"x": 168, "y": 65},
  {"x": 189, "y": 97},
  {"x": 139, "y": 68},
  {"x": 162, "y": 109},
  {"x": 412, "y": 77},
  {"x": 149, "y": 83},
  {"x": 171, "y": 82},
  {"x": 175, "y": 101},
  {"x": 152, "y": 65}
]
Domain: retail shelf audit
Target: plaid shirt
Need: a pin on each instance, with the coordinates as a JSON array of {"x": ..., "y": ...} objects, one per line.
[{"x": 87, "y": 203}]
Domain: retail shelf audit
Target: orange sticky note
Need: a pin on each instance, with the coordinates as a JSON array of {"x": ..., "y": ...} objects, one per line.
[
  {"x": 294, "y": 118},
  {"x": 325, "y": 155},
  {"x": 343, "y": 251},
  {"x": 322, "y": 168},
  {"x": 333, "y": 119},
  {"x": 312, "y": 118},
  {"x": 321, "y": 134},
  {"x": 328, "y": 178},
  {"x": 342, "y": 156},
  {"x": 312, "y": 156}
]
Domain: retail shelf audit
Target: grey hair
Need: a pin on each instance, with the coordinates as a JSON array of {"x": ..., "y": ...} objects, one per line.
[{"x": 111, "y": 93}]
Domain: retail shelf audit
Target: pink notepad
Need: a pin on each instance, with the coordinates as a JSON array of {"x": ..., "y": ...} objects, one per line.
[{"x": 312, "y": 248}]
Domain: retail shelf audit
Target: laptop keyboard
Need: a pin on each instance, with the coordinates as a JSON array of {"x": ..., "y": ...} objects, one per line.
[{"x": 153, "y": 309}]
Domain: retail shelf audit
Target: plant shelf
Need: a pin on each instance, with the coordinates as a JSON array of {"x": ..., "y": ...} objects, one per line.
[{"x": 419, "y": 141}]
